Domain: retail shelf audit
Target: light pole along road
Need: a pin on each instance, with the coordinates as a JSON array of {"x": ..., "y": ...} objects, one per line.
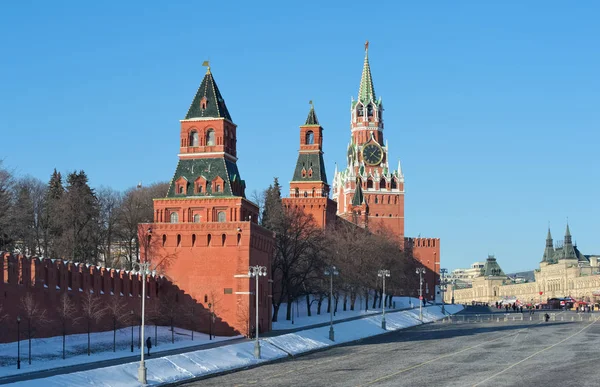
[
  {"x": 144, "y": 270},
  {"x": 420, "y": 272},
  {"x": 331, "y": 271},
  {"x": 257, "y": 271},
  {"x": 383, "y": 273}
]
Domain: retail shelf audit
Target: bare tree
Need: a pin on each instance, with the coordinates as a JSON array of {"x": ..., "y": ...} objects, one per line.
[
  {"x": 67, "y": 314},
  {"x": 35, "y": 315},
  {"x": 109, "y": 202},
  {"x": 170, "y": 310},
  {"x": 93, "y": 310},
  {"x": 298, "y": 257},
  {"x": 6, "y": 183},
  {"x": 137, "y": 207},
  {"x": 116, "y": 308}
]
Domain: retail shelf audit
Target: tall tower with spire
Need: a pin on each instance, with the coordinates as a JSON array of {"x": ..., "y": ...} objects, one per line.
[
  {"x": 205, "y": 233},
  {"x": 367, "y": 190},
  {"x": 309, "y": 188}
]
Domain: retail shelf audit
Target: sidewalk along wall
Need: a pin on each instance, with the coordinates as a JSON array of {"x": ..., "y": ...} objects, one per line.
[{"x": 37, "y": 285}]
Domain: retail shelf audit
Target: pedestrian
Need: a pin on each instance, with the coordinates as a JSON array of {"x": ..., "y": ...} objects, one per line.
[
  {"x": 521, "y": 308},
  {"x": 149, "y": 344}
]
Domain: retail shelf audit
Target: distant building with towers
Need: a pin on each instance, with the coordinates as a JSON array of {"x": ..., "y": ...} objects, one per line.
[{"x": 564, "y": 271}]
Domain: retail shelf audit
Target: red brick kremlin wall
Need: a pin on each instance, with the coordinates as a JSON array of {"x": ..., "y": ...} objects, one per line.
[{"x": 48, "y": 279}]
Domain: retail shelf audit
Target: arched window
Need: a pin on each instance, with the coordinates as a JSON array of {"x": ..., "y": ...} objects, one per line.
[
  {"x": 376, "y": 199},
  {"x": 208, "y": 239},
  {"x": 178, "y": 240},
  {"x": 193, "y": 240},
  {"x": 210, "y": 137},
  {"x": 221, "y": 216},
  {"x": 223, "y": 239},
  {"x": 360, "y": 110},
  {"x": 297, "y": 192},
  {"x": 196, "y": 218},
  {"x": 393, "y": 185},
  {"x": 174, "y": 217},
  {"x": 369, "y": 183},
  {"x": 194, "y": 138},
  {"x": 370, "y": 110},
  {"x": 218, "y": 188},
  {"x": 200, "y": 188},
  {"x": 180, "y": 189},
  {"x": 164, "y": 240},
  {"x": 239, "y": 239},
  {"x": 310, "y": 138},
  {"x": 382, "y": 184}
]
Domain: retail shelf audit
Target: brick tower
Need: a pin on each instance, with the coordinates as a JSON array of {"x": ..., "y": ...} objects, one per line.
[
  {"x": 367, "y": 191},
  {"x": 309, "y": 188},
  {"x": 205, "y": 229}
]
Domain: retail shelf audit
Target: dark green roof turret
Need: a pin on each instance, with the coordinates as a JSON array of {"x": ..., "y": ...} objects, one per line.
[
  {"x": 208, "y": 102},
  {"x": 312, "y": 117},
  {"x": 358, "y": 198}
]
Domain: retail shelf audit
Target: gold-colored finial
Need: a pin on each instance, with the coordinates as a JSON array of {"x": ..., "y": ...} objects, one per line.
[
  {"x": 367, "y": 45},
  {"x": 207, "y": 65}
]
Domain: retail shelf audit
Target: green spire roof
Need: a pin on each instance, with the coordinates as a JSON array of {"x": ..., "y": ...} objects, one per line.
[
  {"x": 491, "y": 268},
  {"x": 358, "y": 198},
  {"x": 366, "y": 91},
  {"x": 208, "y": 101},
  {"x": 312, "y": 117}
]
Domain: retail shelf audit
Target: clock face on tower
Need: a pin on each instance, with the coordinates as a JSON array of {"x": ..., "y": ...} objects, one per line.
[{"x": 372, "y": 154}]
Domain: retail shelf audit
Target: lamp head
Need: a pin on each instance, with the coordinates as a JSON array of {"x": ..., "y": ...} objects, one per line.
[{"x": 18, "y": 319}]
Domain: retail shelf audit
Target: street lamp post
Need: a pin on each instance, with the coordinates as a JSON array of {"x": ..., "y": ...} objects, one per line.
[
  {"x": 443, "y": 284},
  {"x": 257, "y": 271},
  {"x": 18, "y": 342},
  {"x": 331, "y": 271},
  {"x": 210, "y": 317},
  {"x": 383, "y": 273},
  {"x": 144, "y": 269},
  {"x": 420, "y": 271},
  {"x": 131, "y": 330},
  {"x": 453, "y": 286}
]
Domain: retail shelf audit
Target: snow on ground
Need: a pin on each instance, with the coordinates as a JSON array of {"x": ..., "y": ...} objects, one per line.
[
  {"x": 301, "y": 318},
  {"x": 47, "y": 352},
  {"x": 204, "y": 362}
]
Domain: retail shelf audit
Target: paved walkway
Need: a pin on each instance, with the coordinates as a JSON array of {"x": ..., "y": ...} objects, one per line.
[{"x": 134, "y": 358}]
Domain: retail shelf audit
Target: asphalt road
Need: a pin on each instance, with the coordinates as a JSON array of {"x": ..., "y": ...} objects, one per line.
[{"x": 520, "y": 353}]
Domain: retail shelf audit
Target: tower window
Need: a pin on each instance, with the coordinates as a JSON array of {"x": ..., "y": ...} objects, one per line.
[
  {"x": 393, "y": 185},
  {"x": 193, "y": 138},
  {"x": 200, "y": 188},
  {"x": 221, "y": 217},
  {"x": 203, "y": 103},
  {"x": 210, "y": 137},
  {"x": 196, "y": 218},
  {"x": 180, "y": 189},
  {"x": 360, "y": 110},
  {"x": 369, "y": 184},
  {"x": 310, "y": 138},
  {"x": 370, "y": 110},
  {"x": 174, "y": 217},
  {"x": 382, "y": 184},
  {"x": 218, "y": 188}
]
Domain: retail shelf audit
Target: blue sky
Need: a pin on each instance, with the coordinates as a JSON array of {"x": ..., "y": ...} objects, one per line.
[{"x": 492, "y": 107}]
